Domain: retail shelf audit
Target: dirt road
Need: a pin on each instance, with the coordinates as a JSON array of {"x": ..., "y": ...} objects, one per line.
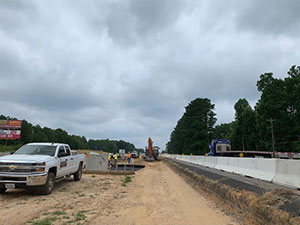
[{"x": 154, "y": 195}]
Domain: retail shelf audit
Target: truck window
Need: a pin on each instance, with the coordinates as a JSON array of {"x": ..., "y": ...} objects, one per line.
[
  {"x": 68, "y": 150},
  {"x": 61, "y": 149},
  {"x": 36, "y": 150}
]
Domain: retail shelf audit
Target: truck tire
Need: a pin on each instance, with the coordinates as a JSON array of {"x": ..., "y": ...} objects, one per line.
[
  {"x": 78, "y": 174},
  {"x": 48, "y": 187},
  {"x": 2, "y": 190}
]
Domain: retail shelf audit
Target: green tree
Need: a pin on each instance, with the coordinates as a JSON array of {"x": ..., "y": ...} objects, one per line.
[
  {"x": 30, "y": 133},
  {"x": 26, "y": 132},
  {"x": 39, "y": 135},
  {"x": 194, "y": 130},
  {"x": 280, "y": 100},
  {"x": 125, "y": 145},
  {"x": 51, "y": 135},
  {"x": 244, "y": 131},
  {"x": 223, "y": 131}
]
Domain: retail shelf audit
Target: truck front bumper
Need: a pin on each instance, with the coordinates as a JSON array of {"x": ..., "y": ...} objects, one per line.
[{"x": 24, "y": 179}]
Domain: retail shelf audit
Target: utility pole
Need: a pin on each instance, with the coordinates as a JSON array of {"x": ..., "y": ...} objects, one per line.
[{"x": 273, "y": 138}]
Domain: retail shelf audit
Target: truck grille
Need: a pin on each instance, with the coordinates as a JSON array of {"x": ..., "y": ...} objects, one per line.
[
  {"x": 17, "y": 164},
  {"x": 13, "y": 178},
  {"x": 21, "y": 170},
  {"x": 7, "y": 167}
]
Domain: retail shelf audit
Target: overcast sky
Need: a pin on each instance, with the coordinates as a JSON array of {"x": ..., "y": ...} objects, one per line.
[{"x": 126, "y": 69}]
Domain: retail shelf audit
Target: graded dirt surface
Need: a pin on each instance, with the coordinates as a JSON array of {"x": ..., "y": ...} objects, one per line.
[{"x": 154, "y": 195}]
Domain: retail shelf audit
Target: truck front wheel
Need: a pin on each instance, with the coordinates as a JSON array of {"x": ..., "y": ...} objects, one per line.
[
  {"x": 2, "y": 190},
  {"x": 48, "y": 187},
  {"x": 78, "y": 174}
]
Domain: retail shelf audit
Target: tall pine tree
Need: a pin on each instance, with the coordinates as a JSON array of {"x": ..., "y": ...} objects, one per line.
[{"x": 194, "y": 130}]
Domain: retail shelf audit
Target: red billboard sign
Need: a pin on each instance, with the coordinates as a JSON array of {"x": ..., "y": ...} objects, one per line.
[
  {"x": 10, "y": 134},
  {"x": 10, "y": 124}
]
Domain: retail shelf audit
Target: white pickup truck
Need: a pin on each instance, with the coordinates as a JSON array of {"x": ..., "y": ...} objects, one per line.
[{"x": 38, "y": 165}]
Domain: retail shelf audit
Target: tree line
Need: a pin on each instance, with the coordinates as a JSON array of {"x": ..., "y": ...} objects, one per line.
[
  {"x": 110, "y": 145},
  {"x": 31, "y": 133},
  {"x": 278, "y": 107}
]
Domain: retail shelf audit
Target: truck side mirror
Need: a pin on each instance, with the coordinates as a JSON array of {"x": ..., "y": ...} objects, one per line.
[{"x": 12, "y": 153}]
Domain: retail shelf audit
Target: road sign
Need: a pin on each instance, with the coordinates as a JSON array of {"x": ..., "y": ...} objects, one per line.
[
  {"x": 10, "y": 134},
  {"x": 10, "y": 124}
]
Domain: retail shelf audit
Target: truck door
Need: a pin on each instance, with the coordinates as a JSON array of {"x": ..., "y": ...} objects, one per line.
[
  {"x": 72, "y": 162},
  {"x": 63, "y": 162}
]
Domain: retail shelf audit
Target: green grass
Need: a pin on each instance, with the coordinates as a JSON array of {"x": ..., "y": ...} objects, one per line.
[
  {"x": 42, "y": 222},
  {"x": 48, "y": 221},
  {"x": 45, "y": 221},
  {"x": 80, "y": 216},
  {"x": 58, "y": 213},
  {"x": 126, "y": 180}
]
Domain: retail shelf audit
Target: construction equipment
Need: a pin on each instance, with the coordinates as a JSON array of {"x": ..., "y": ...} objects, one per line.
[
  {"x": 149, "y": 151},
  {"x": 156, "y": 153}
]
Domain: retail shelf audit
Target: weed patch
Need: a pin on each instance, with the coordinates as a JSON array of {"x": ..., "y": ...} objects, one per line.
[
  {"x": 58, "y": 213},
  {"x": 126, "y": 180},
  {"x": 80, "y": 216},
  {"x": 45, "y": 221}
]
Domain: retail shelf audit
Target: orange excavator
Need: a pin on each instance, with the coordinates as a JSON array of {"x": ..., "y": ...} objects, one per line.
[{"x": 151, "y": 153}]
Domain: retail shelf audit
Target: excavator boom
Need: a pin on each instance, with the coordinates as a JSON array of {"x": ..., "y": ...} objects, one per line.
[
  {"x": 149, "y": 151},
  {"x": 150, "y": 146}
]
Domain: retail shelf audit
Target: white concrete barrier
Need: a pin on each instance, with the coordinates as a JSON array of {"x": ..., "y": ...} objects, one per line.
[
  {"x": 188, "y": 158},
  {"x": 280, "y": 171},
  {"x": 199, "y": 160},
  {"x": 96, "y": 162},
  {"x": 288, "y": 173},
  {"x": 227, "y": 164},
  {"x": 210, "y": 161},
  {"x": 261, "y": 168}
]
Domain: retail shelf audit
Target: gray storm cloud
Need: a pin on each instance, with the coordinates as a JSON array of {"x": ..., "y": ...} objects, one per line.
[{"x": 126, "y": 69}]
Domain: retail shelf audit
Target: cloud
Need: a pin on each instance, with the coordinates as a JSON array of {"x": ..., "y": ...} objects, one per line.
[
  {"x": 126, "y": 69},
  {"x": 270, "y": 17}
]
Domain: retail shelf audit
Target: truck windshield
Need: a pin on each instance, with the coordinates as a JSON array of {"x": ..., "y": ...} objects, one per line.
[{"x": 36, "y": 150}]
